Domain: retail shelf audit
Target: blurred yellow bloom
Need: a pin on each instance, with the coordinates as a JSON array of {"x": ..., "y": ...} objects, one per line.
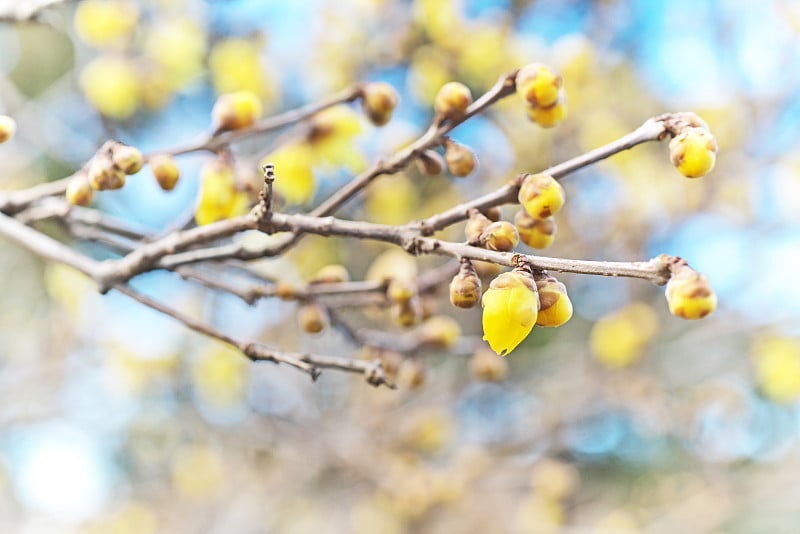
[
  {"x": 236, "y": 65},
  {"x": 777, "y": 362},
  {"x": 220, "y": 376},
  {"x": 618, "y": 339},
  {"x": 112, "y": 85},
  {"x": 197, "y": 471},
  {"x": 106, "y": 23},
  {"x": 178, "y": 46},
  {"x": 294, "y": 180},
  {"x": 219, "y": 196}
]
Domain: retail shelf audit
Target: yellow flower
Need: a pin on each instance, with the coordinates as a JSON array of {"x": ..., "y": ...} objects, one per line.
[
  {"x": 510, "y": 309},
  {"x": 538, "y": 85},
  {"x": 219, "y": 197},
  {"x": 556, "y": 308},
  {"x": 541, "y": 196}
]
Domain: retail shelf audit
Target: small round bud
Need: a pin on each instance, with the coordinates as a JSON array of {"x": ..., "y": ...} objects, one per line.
[
  {"x": 103, "y": 174},
  {"x": 312, "y": 317},
  {"x": 128, "y": 159},
  {"x": 390, "y": 362},
  {"x": 401, "y": 290},
  {"x": 501, "y": 236},
  {"x": 538, "y": 85},
  {"x": 460, "y": 160},
  {"x": 8, "y": 127},
  {"x": 689, "y": 294},
  {"x": 285, "y": 291},
  {"x": 510, "y": 308},
  {"x": 331, "y": 274},
  {"x": 379, "y": 100},
  {"x": 430, "y": 163},
  {"x": 476, "y": 224},
  {"x": 487, "y": 366},
  {"x": 452, "y": 100},
  {"x": 465, "y": 288},
  {"x": 79, "y": 190},
  {"x": 549, "y": 116},
  {"x": 412, "y": 374},
  {"x": 555, "y": 308},
  {"x": 693, "y": 152},
  {"x": 233, "y": 111},
  {"x": 165, "y": 170},
  {"x": 541, "y": 195},
  {"x": 407, "y": 313},
  {"x": 536, "y": 233},
  {"x": 439, "y": 331}
]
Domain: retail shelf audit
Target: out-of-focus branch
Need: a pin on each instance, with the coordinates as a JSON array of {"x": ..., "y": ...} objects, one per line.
[
  {"x": 15, "y": 11},
  {"x": 308, "y": 363}
]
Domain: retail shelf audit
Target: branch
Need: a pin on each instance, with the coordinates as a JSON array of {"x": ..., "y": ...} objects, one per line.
[
  {"x": 308, "y": 363},
  {"x": 652, "y": 130}
]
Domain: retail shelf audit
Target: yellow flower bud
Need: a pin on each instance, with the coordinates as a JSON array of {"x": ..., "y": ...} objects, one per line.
[
  {"x": 331, "y": 274},
  {"x": 689, "y": 294},
  {"x": 312, "y": 317},
  {"x": 285, "y": 291},
  {"x": 555, "y": 307},
  {"x": 128, "y": 159},
  {"x": 510, "y": 309},
  {"x": 430, "y": 163},
  {"x": 379, "y": 99},
  {"x": 549, "y": 116},
  {"x": 236, "y": 110},
  {"x": 536, "y": 233},
  {"x": 460, "y": 160},
  {"x": 693, "y": 152},
  {"x": 501, "y": 236},
  {"x": 407, "y": 313},
  {"x": 103, "y": 174},
  {"x": 401, "y": 290},
  {"x": 79, "y": 190},
  {"x": 8, "y": 127},
  {"x": 439, "y": 331},
  {"x": 541, "y": 195},
  {"x": 165, "y": 170},
  {"x": 465, "y": 288},
  {"x": 487, "y": 366},
  {"x": 538, "y": 85},
  {"x": 452, "y": 100}
]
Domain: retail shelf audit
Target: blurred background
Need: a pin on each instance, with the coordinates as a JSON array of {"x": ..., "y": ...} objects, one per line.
[{"x": 114, "y": 419}]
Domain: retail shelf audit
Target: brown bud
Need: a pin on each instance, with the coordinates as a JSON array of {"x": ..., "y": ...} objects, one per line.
[
  {"x": 430, "y": 163},
  {"x": 165, "y": 170},
  {"x": 493, "y": 213},
  {"x": 487, "y": 366},
  {"x": 379, "y": 100},
  {"x": 128, "y": 159},
  {"x": 476, "y": 224},
  {"x": 465, "y": 288},
  {"x": 501, "y": 236},
  {"x": 103, "y": 174},
  {"x": 407, "y": 313},
  {"x": 285, "y": 291},
  {"x": 460, "y": 160}
]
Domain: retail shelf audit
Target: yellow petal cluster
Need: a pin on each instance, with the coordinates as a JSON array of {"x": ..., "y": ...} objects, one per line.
[{"x": 510, "y": 309}]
